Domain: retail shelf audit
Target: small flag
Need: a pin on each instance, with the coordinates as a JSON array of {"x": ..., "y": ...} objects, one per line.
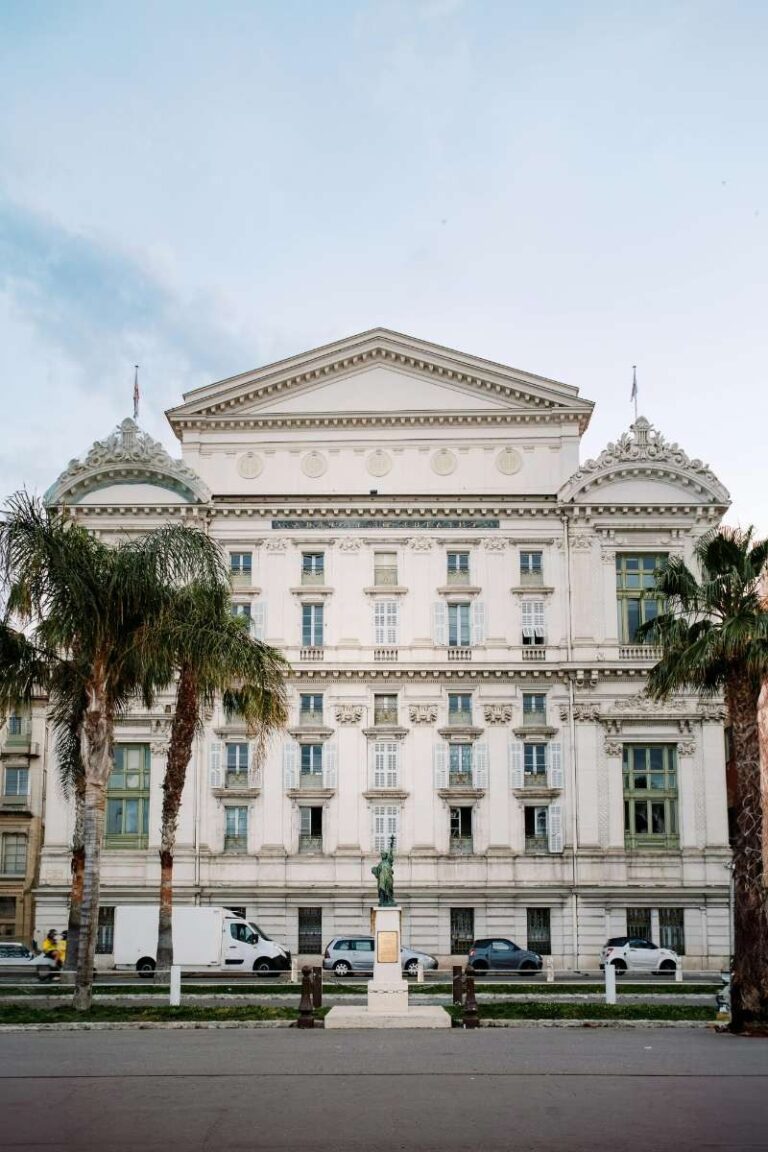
[
  {"x": 633, "y": 395},
  {"x": 136, "y": 392}
]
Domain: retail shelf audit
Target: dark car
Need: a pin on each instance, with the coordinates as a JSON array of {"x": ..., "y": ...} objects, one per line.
[{"x": 496, "y": 954}]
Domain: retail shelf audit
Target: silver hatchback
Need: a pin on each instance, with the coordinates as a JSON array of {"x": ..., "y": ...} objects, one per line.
[{"x": 346, "y": 955}]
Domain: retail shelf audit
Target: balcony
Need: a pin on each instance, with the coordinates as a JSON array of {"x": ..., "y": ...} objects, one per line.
[
  {"x": 535, "y": 780},
  {"x": 531, "y": 579},
  {"x": 460, "y": 780},
  {"x": 235, "y": 781},
  {"x": 240, "y": 579},
  {"x": 536, "y": 845},
  {"x": 312, "y": 579},
  {"x": 534, "y": 653},
  {"x": 385, "y": 577},
  {"x": 16, "y": 802},
  {"x": 536, "y": 718},
  {"x": 311, "y": 654},
  {"x": 310, "y": 844},
  {"x": 459, "y": 719},
  {"x": 385, "y": 655},
  {"x": 385, "y": 717},
  {"x": 311, "y": 781},
  {"x": 639, "y": 652},
  {"x": 237, "y": 845},
  {"x": 460, "y": 655},
  {"x": 457, "y": 579},
  {"x": 461, "y": 846},
  {"x": 310, "y": 719}
]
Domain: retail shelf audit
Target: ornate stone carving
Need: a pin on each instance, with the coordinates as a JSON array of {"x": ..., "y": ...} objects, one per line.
[
  {"x": 497, "y": 713},
  {"x": 423, "y": 713},
  {"x": 444, "y": 462},
  {"x": 277, "y": 545},
  {"x": 686, "y": 748},
  {"x": 644, "y": 445},
  {"x": 583, "y": 713},
  {"x": 349, "y": 544},
  {"x": 509, "y": 461},
  {"x": 349, "y": 713},
  {"x": 250, "y": 465},
  {"x": 613, "y": 747},
  {"x": 314, "y": 464},
  {"x": 640, "y": 703},
  {"x": 494, "y": 544},
  {"x": 379, "y": 463},
  {"x": 159, "y": 747},
  {"x": 712, "y": 713},
  {"x": 420, "y": 544},
  {"x": 582, "y": 542},
  {"x": 127, "y": 454}
]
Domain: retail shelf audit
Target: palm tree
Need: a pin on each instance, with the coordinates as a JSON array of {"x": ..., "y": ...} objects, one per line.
[
  {"x": 714, "y": 638},
  {"x": 211, "y": 654},
  {"x": 75, "y": 611}
]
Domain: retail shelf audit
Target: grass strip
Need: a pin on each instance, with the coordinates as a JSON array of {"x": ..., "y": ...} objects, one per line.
[
  {"x": 117, "y": 1013},
  {"x": 543, "y": 1011}
]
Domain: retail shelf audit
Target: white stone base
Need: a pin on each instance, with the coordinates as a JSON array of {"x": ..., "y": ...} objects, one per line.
[
  {"x": 358, "y": 1016},
  {"x": 387, "y": 997}
]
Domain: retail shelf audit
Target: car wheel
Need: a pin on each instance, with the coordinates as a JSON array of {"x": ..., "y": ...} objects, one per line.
[
  {"x": 619, "y": 965},
  {"x": 262, "y": 965},
  {"x": 528, "y": 966},
  {"x": 146, "y": 967},
  {"x": 479, "y": 966},
  {"x": 411, "y": 968},
  {"x": 667, "y": 966},
  {"x": 342, "y": 968}
]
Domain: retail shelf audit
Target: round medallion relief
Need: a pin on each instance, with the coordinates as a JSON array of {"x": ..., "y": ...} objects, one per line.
[
  {"x": 444, "y": 462},
  {"x": 509, "y": 461},
  {"x": 250, "y": 465},
  {"x": 379, "y": 463},
  {"x": 314, "y": 464}
]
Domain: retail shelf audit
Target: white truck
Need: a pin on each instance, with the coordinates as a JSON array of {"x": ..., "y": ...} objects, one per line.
[{"x": 203, "y": 937}]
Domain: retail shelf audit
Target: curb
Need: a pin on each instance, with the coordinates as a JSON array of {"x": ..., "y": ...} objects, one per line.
[
  {"x": 149, "y": 1025},
  {"x": 632, "y": 1024}
]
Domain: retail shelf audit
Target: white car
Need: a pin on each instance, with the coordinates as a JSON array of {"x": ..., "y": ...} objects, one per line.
[
  {"x": 629, "y": 954},
  {"x": 18, "y": 959}
]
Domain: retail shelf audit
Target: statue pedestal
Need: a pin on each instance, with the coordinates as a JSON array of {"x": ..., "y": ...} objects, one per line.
[{"x": 388, "y": 991}]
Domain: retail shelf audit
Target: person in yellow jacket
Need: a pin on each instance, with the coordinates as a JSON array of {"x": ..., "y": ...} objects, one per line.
[{"x": 52, "y": 948}]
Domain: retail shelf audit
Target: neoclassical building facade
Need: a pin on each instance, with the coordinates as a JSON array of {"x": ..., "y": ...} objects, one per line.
[{"x": 458, "y": 596}]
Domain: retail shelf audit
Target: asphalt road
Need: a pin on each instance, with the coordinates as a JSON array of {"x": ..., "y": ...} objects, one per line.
[{"x": 289, "y": 1091}]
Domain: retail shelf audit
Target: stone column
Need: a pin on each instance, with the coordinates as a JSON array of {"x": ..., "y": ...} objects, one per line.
[{"x": 387, "y": 991}]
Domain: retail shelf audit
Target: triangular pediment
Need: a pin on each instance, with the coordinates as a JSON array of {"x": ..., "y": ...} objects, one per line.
[{"x": 378, "y": 373}]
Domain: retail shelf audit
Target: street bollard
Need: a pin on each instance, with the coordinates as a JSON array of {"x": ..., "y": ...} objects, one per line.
[
  {"x": 306, "y": 1015},
  {"x": 294, "y": 971},
  {"x": 550, "y": 969},
  {"x": 317, "y": 987},
  {"x": 458, "y": 984},
  {"x": 678, "y": 973},
  {"x": 470, "y": 1018},
  {"x": 610, "y": 983},
  {"x": 175, "y": 998},
  {"x": 419, "y": 972}
]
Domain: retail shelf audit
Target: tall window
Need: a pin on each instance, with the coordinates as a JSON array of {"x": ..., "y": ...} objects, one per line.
[
  {"x": 386, "y": 823},
  {"x": 237, "y": 762},
  {"x": 459, "y": 632},
  {"x": 385, "y": 568},
  {"x": 313, "y": 568},
  {"x": 240, "y": 566},
  {"x": 312, "y": 617},
  {"x": 310, "y": 930},
  {"x": 533, "y": 621},
  {"x": 650, "y": 795},
  {"x": 672, "y": 930},
  {"x": 128, "y": 798},
  {"x": 460, "y": 765},
  {"x": 530, "y": 568},
  {"x": 535, "y": 763},
  {"x": 639, "y": 923},
  {"x": 385, "y": 618},
  {"x": 242, "y": 611},
  {"x": 536, "y": 829},
  {"x": 312, "y": 760},
  {"x": 534, "y": 708},
  {"x": 105, "y": 933},
  {"x": 236, "y": 829},
  {"x": 311, "y": 829},
  {"x": 384, "y": 708},
  {"x": 459, "y": 708},
  {"x": 385, "y": 764},
  {"x": 461, "y": 831},
  {"x": 13, "y": 853},
  {"x": 539, "y": 931},
  {"x": 311, "y": 708},
  {"x": 7, "y": 915},
  {"x": 462, "y": 930},
  {"x": 458, "y": 568},
  {"x": 637, "y": 599},
  {"x": 16, "y": 783}
]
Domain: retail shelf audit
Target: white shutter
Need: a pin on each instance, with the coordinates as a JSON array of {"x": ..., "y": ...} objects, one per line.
[
  {"x": 391, "y": 764},
  {"x": 480, "y": 765},
  {"x": 214, "y": 762},
  {"x": 391, "y": 621},
  {"x": 440, "y": 762},
  {"x": 478, "y": 622},
  {"x": 440, "y": 624},
  {"x": 379, "y": 622},
  {"x": 379, "y": 828},
  {"x": 393, "y": 825},
  {"x": 290, "y": 764},
  {"x": 329, "y": 764},
  {"x": 555, "y": 827},
  {"x": 516, "y": 764},
  {"x": 527, "y": 610},
  {"x": 259, "y": 620},
  {"x": 253, "y": 764},
  {"x": 378, "y": 765},
  {"x": 305, "y": 821},
  {"x": 554, "y": 766}
]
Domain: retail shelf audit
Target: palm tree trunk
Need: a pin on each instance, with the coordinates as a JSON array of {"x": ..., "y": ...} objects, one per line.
[
  {"x": 179, "y": 753},
  {"x": 762, "y": 731},
  {"x": 749, "y": 984},
  {"x": 76, "y": 887}
]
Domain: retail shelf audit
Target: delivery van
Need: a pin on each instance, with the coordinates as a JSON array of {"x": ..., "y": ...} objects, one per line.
[{"x": 203, "y": 938}]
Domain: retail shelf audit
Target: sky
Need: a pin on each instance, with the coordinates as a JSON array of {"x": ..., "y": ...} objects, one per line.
[{"x": 204, "y": 187}]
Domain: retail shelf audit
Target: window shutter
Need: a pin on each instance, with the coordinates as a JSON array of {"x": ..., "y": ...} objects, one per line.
[
  {"x": 440, "y": 761},
  {"x": 480, "y": 765},
  {"x": 378, "y": 765},
  {"x": 392, "y": 828},
  {"x": 554, "y": 766},
  {"x": 478, "y": 622},
  {"x": 214, "y": 762},
  {"x": 555, "y": 827},
  {"x": 440, "y": 624},
  {"x": 329, "y": 764},
  {"x": 379, "y": 622},
  {"x": 538, "y": 619},
  {"x": 527, "y": 619},
  {"x": 289, "y": 764},
  {"x": 379, "y": 829},
  {"x": 253, "y": 764},
  {"x": 516, "y": 764},
  {"x": 391, "y": 764},
  {"x": 391, "y": 618},
  {"x": 259, "y": 620},
  {"x": 305, "y": 821}
]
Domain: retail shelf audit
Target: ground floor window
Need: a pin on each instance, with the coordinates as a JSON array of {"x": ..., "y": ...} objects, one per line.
[
  {"x": 105, "y": 933},
  {"x": 310, "y": 930},
  {"x": 127, "y": 823},
  {"x": 539, "y": 931},
  {"x": 236, "y": 829},
  {"x": 639, "y": 923},
  {"x": 7, "y": 915},
  {"x": 239, "y": 910},
  {"x": 13, "y": 853},
  {"x": 462, "y": 930},
  {"x": 672, "y": 930}
]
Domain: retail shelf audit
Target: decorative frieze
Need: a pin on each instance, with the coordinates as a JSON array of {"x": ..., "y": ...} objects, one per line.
[
  {"x": 349, "y": 714},
  {"x": 420, "y": 544},
  {"x": 582, "y": 713},
  {"x": 350, "y": 544},
  {"x": 497, "y": 713},
  {"x": 613, "y": 747},
  {"x": 494, "y": 544},
  {"x": 423, "y": 713},
  {"x": 278, "y": 545},
  {"x": 686, "y": 748}
]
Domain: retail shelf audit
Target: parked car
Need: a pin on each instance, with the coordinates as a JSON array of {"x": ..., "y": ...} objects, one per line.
[
  {"x": 347, "y": 954},
  {"x": 17, "y": 959},
  {"x": 630, "y": 954},
  {"x": 498, "y": 954}
]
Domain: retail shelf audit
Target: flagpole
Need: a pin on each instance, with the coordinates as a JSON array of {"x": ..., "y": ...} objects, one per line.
[
  {"x": 634, "y": 388},
  {"x": 136, "y": 392}
]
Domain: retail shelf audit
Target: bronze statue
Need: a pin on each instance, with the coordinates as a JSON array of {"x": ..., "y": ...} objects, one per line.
[{"x": 385, "y": 876}]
